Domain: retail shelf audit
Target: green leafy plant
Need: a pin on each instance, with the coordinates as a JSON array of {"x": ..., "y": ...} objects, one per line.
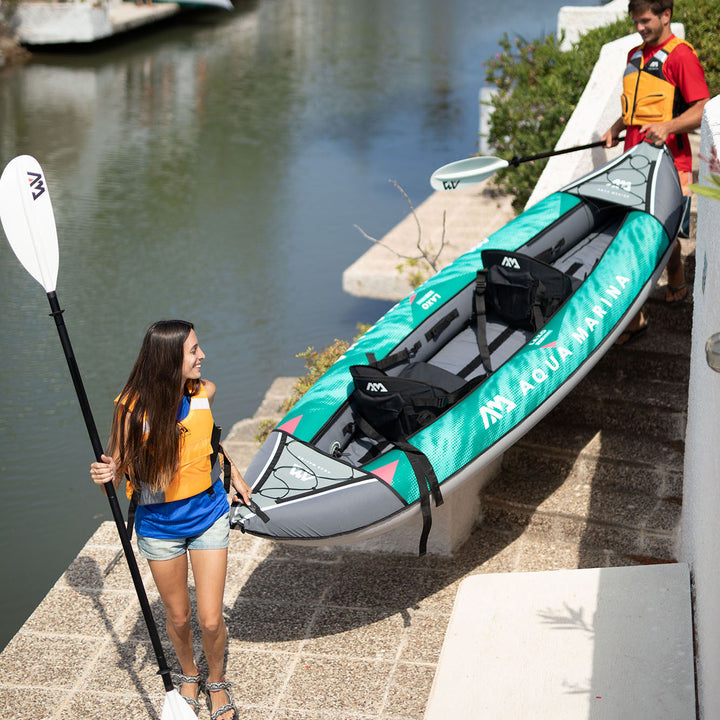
[
  {"x": 538, "y": 88},
  {"x": 701, "y": 19},
  {"x": 713, "y": 163}
]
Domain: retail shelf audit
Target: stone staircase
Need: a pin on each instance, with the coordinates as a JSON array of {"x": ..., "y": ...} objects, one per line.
[{"x": 603, "y": 471}]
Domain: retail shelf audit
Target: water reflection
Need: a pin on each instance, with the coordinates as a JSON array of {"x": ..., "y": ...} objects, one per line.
[{"x": 213, "y": 169}]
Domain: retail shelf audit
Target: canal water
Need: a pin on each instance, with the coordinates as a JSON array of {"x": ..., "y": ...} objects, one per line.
[{"x": 213, "y": 168}]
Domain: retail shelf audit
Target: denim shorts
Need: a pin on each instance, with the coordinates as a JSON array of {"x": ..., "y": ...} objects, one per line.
[{"x": 216, "y": 537}]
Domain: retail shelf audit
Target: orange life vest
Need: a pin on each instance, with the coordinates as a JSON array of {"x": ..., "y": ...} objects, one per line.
[
  {"x": 194, "y": 471},
  {"x": 647, "y": 96}
]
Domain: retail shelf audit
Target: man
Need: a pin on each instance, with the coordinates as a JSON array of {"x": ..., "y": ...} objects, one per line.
[{"x": 664, "y": 92}]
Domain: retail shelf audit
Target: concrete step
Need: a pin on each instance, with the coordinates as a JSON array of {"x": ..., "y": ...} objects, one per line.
[
  {"x": 636, "y": 372},
  {"x": 562, "y": 430},
  {"x": 642, "y": 531},
  {"x": 629, "y": 508},
  {"x": 530, "y": 472},
  {"x": 604, "y": 468},
  {"x": 596, "y": 643},
  {"x": 641, "y": 418}
]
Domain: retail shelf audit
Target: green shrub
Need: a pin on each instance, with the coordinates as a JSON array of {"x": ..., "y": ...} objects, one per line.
[
  {"x": 702, "y": 29},
  {"x": 539, "y": 86}
]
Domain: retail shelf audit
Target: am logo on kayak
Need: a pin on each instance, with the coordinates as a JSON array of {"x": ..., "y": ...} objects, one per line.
[{"x": 501, "y": 406}]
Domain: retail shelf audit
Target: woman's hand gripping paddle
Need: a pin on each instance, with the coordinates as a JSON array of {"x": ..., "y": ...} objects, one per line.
[{"x": 29, "y": 223}]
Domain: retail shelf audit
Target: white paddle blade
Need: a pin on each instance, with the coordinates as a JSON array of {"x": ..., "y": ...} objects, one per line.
[
  {"x": 175, "y": 708},
  {"x": 462, "y": 173},
  {"x": 28, "y": 220}
]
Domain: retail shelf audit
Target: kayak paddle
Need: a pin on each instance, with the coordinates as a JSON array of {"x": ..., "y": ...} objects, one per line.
[
  {"x": 29, "y": 223},
  {"x": 469, "y": 171}
]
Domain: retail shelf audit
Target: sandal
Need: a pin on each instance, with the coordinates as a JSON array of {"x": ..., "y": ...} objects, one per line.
[
  {"x": 213, "y": 687},
  {"x": 181, "y": 679},
  {"x": 631, "y": 335}
]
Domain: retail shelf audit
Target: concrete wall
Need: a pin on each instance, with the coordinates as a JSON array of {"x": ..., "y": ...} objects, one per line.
[
  {"x": 700, "y": 525},
  {"x": 574, "y": 21},
  {"x": 47, "y": 23},
  {"x": 39, "y": 23}
]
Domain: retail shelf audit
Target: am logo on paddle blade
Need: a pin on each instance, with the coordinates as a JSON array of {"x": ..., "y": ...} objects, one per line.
[{"x": 37, "y": 184}]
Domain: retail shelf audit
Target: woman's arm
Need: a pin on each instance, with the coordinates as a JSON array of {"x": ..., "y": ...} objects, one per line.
[
  {"x": 242, "y": 489},
  {"x": 109, "y": 468},
  {"x": 105, "y": 471}
]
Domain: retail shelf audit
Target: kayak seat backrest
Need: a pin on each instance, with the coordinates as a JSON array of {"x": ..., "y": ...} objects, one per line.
[
  {"x": 395, "y": 407},
  {"x": 522, "y": 291}
]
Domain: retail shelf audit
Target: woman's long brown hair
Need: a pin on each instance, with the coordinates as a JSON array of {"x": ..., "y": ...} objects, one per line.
[{"x": 145, "y": 434}]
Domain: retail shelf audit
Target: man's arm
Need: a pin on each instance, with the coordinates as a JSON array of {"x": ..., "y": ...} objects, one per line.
[
  {"x": 610, "y": 138},
  {"x": 686, "y": 122}
]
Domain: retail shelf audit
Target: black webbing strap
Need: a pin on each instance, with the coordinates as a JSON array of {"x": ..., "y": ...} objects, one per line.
[
  {"x": 131, "y": 510},
  {"x": 215, "y": 444},
  {"x": 394, "y": 359},
  {"x": 424, "y": 475},
  {"x": 258, "y": 511},
  {"x": 227, "y": 469},
  {"x": 481, "y": 320},
  {"x": 218, "y": 449},
  {"x": 368, "y": 430},
  {"x": 493, "y": 346},
  {"x": 537, "y": 312},
  {"x": 444, "y": 323}
]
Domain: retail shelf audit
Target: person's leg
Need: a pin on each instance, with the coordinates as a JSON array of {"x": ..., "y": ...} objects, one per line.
[
  {"x": 209, "y": 570},
  {"x": 686, "y": 179},
  {"x": 171, "y": 579},
  {"x": 677, "y": 290}
]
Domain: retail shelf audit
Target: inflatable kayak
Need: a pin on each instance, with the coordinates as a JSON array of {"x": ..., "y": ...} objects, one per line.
[{"x": 459, "y": 370}]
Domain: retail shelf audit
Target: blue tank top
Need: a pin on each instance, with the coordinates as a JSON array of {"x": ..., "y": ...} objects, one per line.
[{"x": 182, "y": 518}]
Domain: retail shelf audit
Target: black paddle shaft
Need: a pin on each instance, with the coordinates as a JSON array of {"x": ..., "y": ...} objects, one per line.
[
  {"x": 516, "y": 160},
  {"x": 56, "y": 313}
]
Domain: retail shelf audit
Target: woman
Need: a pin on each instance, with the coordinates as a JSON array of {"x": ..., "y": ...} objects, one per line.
[{"x": 161, "y": 441}]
